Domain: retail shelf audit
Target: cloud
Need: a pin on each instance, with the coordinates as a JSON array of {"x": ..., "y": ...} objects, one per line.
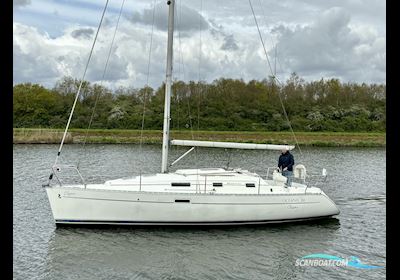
[
  {"x": 43, "y": 59},
  {"x": 229, "y": 44},
  {"x": 187, "y": 19},
  {"x": 329, "y": 42},
  {"x": 30, "y": 61},
  {"x": 82, "y": 32},
  {"x": 39, "y": 58},
  {"x": 19, "y": 3},
  {"x": 331, "y": 46}
]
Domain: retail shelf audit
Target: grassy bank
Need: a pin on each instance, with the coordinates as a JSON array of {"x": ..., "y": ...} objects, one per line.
[{"x": 105, "y": 136}]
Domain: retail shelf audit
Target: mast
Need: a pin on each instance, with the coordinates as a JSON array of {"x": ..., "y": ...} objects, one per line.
[{"x": 168, "y": 82}]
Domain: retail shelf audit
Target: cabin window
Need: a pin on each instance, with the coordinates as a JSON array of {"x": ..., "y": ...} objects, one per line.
[
  {"x": 180, "y": 184},
  {"x": 250, "y": 185},
  {"x": 217, "y": 184},
  {"x": 182, "y": 200}
]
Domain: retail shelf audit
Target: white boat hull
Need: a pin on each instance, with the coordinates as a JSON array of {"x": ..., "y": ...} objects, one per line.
[
  {"x": 95, "y": 206},
  {"x": 187, "y": 196}
]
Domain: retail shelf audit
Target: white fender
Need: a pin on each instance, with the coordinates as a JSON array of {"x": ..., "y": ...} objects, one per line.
[{"x": 299, "y": 171}]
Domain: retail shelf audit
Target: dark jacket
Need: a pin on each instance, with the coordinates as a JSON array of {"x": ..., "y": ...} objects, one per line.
[{"x": 286, "y": 160}]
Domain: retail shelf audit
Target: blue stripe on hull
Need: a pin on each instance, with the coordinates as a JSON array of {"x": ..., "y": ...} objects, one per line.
[{"x": 99, "y": 222}]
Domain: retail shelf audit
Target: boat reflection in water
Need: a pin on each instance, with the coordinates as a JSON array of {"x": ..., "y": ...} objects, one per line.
[{"x": 112, "y": 252}]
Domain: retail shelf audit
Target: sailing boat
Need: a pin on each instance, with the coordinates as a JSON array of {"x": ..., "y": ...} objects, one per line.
[{"x": 205, "y": 196}]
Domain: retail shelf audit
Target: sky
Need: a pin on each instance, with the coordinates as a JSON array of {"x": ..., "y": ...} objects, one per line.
[{"x": 343, "y": 39}]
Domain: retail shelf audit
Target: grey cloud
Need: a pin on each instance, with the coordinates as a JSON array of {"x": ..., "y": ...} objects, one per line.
[
  {"x": 32, "y": 68},
  {"x": 337, "y": 43},
  {"x": 17, "y": 3},
  {"x": 229, "y": 43},
  {"x": 217, "y": 31},
  {"x": 328, "y": 46},
  {"x": 187, "y": 19},
  {"x": 36, "y": 59},
  {"x": 108, "y": 22},
  {"x": 82, "y": 33}
]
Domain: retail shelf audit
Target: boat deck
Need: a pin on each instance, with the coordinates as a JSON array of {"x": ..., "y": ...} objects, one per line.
[{"x": 203, "y": 181}]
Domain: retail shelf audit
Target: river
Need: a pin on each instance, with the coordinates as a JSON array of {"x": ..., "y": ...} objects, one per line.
[{"x": 356, "y": 182}]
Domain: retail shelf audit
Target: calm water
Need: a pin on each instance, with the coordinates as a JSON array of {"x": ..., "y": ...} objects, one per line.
[{"x": 41, "y": 251}]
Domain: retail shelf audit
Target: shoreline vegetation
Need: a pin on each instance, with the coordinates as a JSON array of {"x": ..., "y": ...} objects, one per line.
[
  {"x": 130, "y": 136},
  {"x": 326, "y": 112},
  {"x": 221, "y": 105}
]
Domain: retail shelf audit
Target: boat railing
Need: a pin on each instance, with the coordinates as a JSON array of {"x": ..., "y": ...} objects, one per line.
[
  {"x": 203, "y": 184},
  {"x": 57, "y": 169},
  {"x": 310, "y": 180},
  {"x": 61, "y": 171},
  {"x": 270, "y": 175}
]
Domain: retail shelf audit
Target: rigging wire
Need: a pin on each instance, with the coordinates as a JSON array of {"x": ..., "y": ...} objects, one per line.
[
  {"x": 274, "y": 73},
  {"x": 102, "y": 79},
  {"x": 275, "y": 78},
  {"x": 180, "y": 42},
  {"x": 272, "y": 39},
  {"x": 79, "y": 89},
  {"x": 183, "y": 67},
  {"x": 276, "y": 54},
  {"x": 183, "y": 74},
  {"x": 265, "y": 23},
  {"x": 261, "y": 38},
  {"x": 147, "y": 84},
  {"x": 199, "y": 89},
  {"x": 199, "y": 82}
]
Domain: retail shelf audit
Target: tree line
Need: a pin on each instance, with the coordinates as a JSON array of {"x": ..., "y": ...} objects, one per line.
[{"x": 224, "y": 104}]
